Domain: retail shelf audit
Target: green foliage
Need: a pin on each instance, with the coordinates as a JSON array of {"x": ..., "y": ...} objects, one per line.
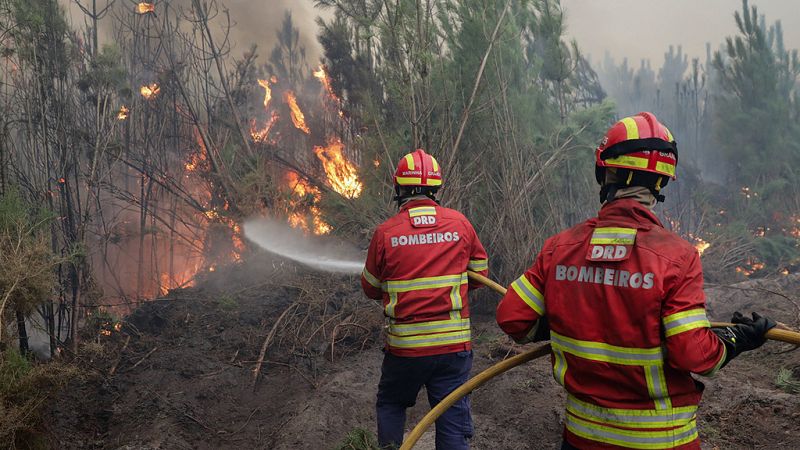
[
  {"x": 788, "y": 381},
  {"x": 227, "y": 303},
  {"x": 41, "y": 31},
  {"x": 99, "y": 321},
  {"x": 359, "y": 439},
  {"x": 24, "y": 389},
  {"x": 287, "y": 59},
  {"x": 13, "y": 368},
  {"x": 26, "y": 262},
  {"x": 105, "y": 73},
  {"x": 757, "y": 120}
]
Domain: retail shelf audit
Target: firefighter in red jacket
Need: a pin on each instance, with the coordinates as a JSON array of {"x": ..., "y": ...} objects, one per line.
[
  {"x": 417, "y": 264},
  {"x": 621, "y": 300}
]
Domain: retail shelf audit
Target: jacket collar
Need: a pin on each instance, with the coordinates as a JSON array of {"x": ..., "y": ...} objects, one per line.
[
  {"x": 627, "y": 211},
  {"x": 416, "y": 203}
]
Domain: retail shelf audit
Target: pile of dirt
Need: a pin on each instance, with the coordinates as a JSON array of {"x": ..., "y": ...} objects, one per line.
[{"x": 184, "y": 379}]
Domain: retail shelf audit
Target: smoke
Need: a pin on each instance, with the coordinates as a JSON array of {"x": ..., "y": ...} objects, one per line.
[
  {"x": 252, "y": 22},
  {"x": 644, "y": 30},
  {"x": 324, "y": 254}
]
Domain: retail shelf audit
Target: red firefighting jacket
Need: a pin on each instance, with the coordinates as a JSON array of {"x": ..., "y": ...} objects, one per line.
[
  {"x": 626, "y": 309},
  {"x": 417, "y": 263}
]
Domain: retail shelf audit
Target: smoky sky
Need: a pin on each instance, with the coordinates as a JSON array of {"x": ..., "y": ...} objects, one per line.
[
  {"x": 635, "y": 29},
  {"x": 253, "y": 22},
  {"x": 644, "y": 29}
]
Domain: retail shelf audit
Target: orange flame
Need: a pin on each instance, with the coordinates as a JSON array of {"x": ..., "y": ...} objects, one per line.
[
  {"x": 123, "y": 113},
  {"x": 261, "y": 135},
  {"x": 197, "y": 159},
  {"x": 150, "y": 91},
  {"x": 752, "y": 267},
  {"x": 185, "y": 277},
  {"x": 267, "y": 92},
  {"x": 298, "y": 118},
  {"x": 144, "y": 8},
  {"x": 322, "y": 75},
  {"x": 296, "y": 217},
  {"x": 342, "y": 174},
  {"x": 701, "y": 246}
]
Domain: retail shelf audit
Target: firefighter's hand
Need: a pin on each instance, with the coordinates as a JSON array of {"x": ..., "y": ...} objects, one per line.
[
  {"x": 539, "y": 332},
  {"x": 752, "y": 331},
  {"x": 746, "y": 334}
]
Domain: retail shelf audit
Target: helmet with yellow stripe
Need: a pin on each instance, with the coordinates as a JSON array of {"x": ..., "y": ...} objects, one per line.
[
  {"x": 418, "y": 169},
  {"x": 639, "y": 151},
  {"x": 418, "y": 173}
]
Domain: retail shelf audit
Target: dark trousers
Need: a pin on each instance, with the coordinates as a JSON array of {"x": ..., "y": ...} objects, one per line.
[{"x": 401, "y": 380}]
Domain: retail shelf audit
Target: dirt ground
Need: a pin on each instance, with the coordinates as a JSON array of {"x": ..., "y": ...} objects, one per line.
[{"x": 184, "y": 381}]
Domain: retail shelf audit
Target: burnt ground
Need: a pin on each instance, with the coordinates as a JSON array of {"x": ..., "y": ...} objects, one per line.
[{"x": 184, "y": 381}]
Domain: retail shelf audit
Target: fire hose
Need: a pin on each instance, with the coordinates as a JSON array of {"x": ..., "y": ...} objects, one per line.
[{"x": 479, "y": 380}]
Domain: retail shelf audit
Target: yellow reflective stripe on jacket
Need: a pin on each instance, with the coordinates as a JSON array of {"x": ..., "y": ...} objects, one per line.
[
  {"x": 632, "y": 438},
  {"x": 599, "y": 351},
  {"x": 394, "y": 287},
  {"x": 477, "y": 265},
  {"x": 559, "y": 367},
  {"x": 422, "y": 211},
  {"x": 685, "y": 321},
  {"x": 417, "y": 284},
  {"x": 632, "y": 418},
  {"x": 719, "y": 364},
  {"x": 657, "y": 386},
  {"x": 390, "y": 307},
  {"x": 437, "y": 326},
  {"x": 614, "y": 235},
  {"x": 529, "y": 294},
  {"x": 428, "y": 340},
  {"x": 371, "y": 279},
  {"x": 456, "y": 302}
]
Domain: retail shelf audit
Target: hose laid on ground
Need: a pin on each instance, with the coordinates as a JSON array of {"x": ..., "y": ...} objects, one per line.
[{"x": 479, "y": 380}]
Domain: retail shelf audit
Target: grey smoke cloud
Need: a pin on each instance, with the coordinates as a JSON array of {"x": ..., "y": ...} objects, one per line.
[
  {"x": 639, "y": 29},
  {"x": 253, "y": 21}
]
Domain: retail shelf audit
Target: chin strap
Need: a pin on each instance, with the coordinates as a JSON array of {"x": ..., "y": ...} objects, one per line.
[
  {"x": 659, "y": 197},
  {"x": 608, "y": 192}
]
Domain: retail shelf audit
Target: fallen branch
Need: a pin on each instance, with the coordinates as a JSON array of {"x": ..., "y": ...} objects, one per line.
[
  {"x": 267, "y": 341},
  {"x": 119, "y": 358},
  {"x": 246, "y": 422},
  {"x": 142, "y": 360},
  {"x": 345, "y": 324}
]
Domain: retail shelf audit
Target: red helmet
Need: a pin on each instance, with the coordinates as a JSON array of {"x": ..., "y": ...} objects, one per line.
[
  {"x": 638, "y": 144},
  {"x": 418, "y": 169}
]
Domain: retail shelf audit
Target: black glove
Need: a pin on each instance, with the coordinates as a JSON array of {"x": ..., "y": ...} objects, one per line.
[
  {"x": 747, "y": 334},
  {"x": 539, "y": 332}
]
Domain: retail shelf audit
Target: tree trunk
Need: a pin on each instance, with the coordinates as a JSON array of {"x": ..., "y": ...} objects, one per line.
[{"x": 23, "y": 333}]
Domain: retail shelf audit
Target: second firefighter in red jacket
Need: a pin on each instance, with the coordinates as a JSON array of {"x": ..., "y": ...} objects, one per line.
[{"x": 621, "y": 300}]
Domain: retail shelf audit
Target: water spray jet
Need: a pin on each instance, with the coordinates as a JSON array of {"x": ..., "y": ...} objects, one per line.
[{"x": 322, "y": 253}]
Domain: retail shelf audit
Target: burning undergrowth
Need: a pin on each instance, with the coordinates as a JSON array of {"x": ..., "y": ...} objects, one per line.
[
  {"x": 301, "y": 145},
  {"x": 230, "y": 356}
]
